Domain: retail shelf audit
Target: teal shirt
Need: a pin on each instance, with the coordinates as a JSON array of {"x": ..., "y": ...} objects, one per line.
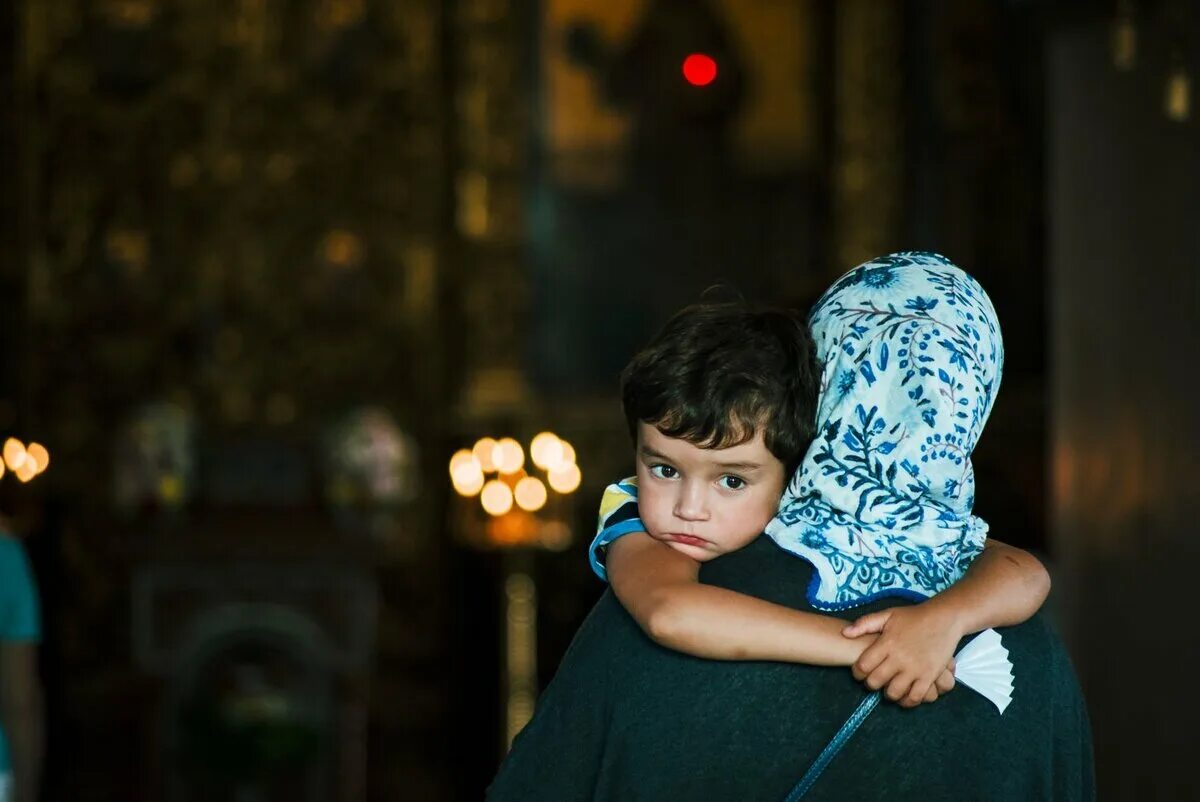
[{"x": 20, "y": 618}]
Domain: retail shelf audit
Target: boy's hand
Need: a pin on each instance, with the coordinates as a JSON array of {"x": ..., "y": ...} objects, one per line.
[{"x": 913, "y": 657}]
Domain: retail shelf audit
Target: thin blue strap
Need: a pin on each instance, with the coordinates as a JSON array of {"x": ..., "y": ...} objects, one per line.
[{"x": 833, "y": 747}]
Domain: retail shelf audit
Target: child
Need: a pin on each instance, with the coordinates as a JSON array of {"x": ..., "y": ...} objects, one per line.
[{"x": 720, "y": 406}]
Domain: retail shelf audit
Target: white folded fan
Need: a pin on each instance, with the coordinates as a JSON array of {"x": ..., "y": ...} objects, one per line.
[{"x": 983, "y": 666}]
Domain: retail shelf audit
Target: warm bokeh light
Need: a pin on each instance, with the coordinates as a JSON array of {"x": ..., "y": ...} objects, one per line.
[
  {"x": 530, "y": 494},
  {"x": 342, "y": 248},
  {"x": 496, "y": 497},
  {"x": 545, "y": 450},
  {"x": 38, "y": 456},
  {"x": 26, "y": 471},
  {"x": 170, "y": 488},
  {"x": 516, "y": 528},
  {"x": 1177, "y": 99},
  {"x": 466, "y": 474},
  {"x": 556, "y": 536},
  {"x": 508, "y": 456},
  {"x": 461, "y": 458},
  {"x": 468, "y": 479},
  {"x": 566, "y": 456},
  {"x": 40, "y": 453},
  {"x": 494, "y": 469},
  {"x": 565, "y": 479},
  {"x": 511, "y": 479},
  {"x": 482, "y": 450},
  {"x": 14, "y": 453}
]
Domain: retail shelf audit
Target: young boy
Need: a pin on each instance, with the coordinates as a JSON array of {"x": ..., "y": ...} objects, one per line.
[{"x": 722, "y": 405}]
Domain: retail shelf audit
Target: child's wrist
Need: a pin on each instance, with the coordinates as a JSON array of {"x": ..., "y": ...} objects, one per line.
[
  {"x": 953, "y": 618},
  {"x": 856, "y": 646}
]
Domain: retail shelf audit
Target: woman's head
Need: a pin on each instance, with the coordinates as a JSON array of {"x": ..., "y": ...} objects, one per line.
[
  {"x": 915, "y": 338},
  {"x": 911, "y": 358}
]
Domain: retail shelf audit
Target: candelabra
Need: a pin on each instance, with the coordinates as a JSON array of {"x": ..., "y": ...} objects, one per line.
[{"x": 516, "y": 513}]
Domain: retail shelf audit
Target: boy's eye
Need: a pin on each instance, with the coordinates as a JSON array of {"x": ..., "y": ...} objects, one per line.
[
  {"x": 732, "y": 482},
  {"x": 663, "y": 471}
]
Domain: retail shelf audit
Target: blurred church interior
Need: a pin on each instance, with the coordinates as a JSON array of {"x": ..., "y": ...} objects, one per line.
[{"x": 284, "y": 282}]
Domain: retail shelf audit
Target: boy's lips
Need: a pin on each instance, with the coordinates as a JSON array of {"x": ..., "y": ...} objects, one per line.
[{"x": 689, "y": 540}]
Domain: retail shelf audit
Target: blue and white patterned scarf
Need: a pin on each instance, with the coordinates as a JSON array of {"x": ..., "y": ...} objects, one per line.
[{"x": 881, "y": 504}]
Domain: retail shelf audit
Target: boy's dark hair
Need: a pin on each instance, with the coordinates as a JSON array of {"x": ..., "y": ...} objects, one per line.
[{"x": 718, "y": 373}]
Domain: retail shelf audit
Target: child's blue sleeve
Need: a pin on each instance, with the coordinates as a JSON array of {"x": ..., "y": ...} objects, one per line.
[{"x": 618, "y": 516}]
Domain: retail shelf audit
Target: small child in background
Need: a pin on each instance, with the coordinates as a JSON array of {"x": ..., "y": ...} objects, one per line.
[{"x": 722, "y": 405}]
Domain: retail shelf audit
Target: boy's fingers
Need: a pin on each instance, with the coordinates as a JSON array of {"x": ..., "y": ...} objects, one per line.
[
  {"x": 931, "y": 695},
  {"x": 868, "y": 661},
  {"x": 917, "y": 693},
  {"x": 881, "y": 676},
  {"x": 867, "y": 624},
  {"x": 898, "y": 688},
  {"x": 945, "y": 682}
]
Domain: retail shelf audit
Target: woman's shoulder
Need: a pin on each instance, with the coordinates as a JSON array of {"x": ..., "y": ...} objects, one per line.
[
  {"x": 763, "y": 569},
  {"x": 1039, "y": 633}
]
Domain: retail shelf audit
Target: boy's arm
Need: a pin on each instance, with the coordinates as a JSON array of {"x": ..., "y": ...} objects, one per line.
[
  {"x": 1004, "y": 586},
  {"x": 660, "y": 588}
]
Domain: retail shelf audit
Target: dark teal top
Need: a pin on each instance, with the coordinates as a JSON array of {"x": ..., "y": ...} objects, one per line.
[
  {"x": 625, "y": 719},
  {"x": 19, "y": 612}
]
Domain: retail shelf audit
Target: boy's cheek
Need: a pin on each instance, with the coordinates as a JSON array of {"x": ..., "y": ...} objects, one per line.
[
  {"x": 653, "y": 524},
  {"x": 650, "y": 508}
]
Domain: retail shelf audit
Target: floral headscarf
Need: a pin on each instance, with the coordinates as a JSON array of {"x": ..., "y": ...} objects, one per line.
[{"x": 881, "y": 504}]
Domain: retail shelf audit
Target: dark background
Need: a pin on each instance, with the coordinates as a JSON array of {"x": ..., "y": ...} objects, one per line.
[{"x": 242, "y": 221}]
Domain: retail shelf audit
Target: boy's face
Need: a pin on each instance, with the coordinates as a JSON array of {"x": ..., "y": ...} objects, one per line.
[{"x": 705, "y": 502}]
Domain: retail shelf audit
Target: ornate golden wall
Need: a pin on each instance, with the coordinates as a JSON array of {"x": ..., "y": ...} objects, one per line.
[{"x": 233, "y": 205}]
